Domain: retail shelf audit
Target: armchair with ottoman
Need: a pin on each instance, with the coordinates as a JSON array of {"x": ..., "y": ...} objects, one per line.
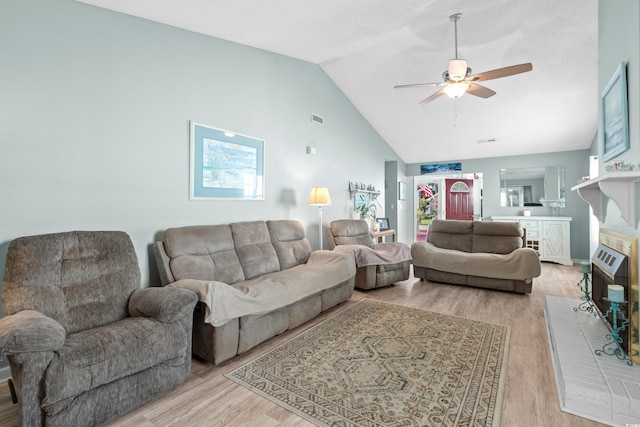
[
  {"x": 476, "y": 253},
  {"x": 378, "y": 265},
  {"x": 85, "y": 344}
]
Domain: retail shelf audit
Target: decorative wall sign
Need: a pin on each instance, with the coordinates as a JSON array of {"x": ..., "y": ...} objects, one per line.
[
  {"x": 615, "y": 115},
  {"x": 440, "y": 167},
  {"x": 225, "y": 165}
]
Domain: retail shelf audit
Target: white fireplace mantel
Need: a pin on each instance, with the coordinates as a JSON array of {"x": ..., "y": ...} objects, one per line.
[{"x": 618, "y": 186}]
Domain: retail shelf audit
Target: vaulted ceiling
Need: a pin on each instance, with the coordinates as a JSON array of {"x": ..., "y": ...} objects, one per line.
[{"x": 368, "y": 46}]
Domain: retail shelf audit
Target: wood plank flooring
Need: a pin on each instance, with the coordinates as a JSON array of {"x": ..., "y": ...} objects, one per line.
[{"x": 208, "y": 399}]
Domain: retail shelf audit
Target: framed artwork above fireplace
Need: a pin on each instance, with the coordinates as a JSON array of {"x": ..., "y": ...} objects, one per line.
[{"x": 614, "y": 126}]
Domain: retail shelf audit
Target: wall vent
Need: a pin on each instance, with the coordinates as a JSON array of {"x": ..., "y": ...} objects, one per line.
[
  {"x": 484, "y": 141},
  {"x": 316, "y": 118}
]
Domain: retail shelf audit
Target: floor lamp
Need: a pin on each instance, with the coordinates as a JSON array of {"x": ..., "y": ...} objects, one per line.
[{"x": 319, "y": 197}]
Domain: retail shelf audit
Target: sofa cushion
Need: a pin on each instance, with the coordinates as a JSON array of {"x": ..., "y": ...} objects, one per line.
[
  {"x": 496, "y": 237},
  {"x": 204, "y": 252},
  {"x": 254, "y": 248},
  {"x": 99, "y": 356},
  {"x": 451, "y": 234},
  {"x": 517, "y": 265},
  {"x": 272, "y": 291},
  {"x": 290, "y": 243},
  {"x": 351, "y": 232}
]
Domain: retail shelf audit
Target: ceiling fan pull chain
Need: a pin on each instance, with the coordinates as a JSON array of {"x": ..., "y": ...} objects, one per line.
[{"x": 455, "y": 111}]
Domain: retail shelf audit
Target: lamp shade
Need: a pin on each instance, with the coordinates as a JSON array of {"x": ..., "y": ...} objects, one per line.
[{"x": 319, "y": 196}]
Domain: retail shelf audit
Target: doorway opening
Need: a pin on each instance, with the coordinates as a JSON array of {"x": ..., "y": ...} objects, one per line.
[{"x": 445, "y": 196}]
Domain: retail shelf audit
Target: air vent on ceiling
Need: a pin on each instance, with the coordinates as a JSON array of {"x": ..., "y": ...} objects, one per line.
[
  {"x": 484, "y": 141},
  {"x": 316, "y": 118}
]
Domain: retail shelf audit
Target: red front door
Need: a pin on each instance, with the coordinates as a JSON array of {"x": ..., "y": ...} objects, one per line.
[{"x": 459, "y": 194}]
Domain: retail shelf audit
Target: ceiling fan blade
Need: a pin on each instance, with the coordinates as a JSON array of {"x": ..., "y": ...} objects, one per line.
[
  {"x": 501, "y": 72},
  {"x": 481, "y": 91},
  {"x": 418, "y": 85},
  {"x": 431, "y": 98}
]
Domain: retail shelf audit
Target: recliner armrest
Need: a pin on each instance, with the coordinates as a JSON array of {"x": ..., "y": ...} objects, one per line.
[
  {"x": 163, "y": 304},
  {"x": 30, "y": 331}
]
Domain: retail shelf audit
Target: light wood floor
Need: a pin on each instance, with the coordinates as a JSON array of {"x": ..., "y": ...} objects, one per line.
[{"x": 208, "y": 399}]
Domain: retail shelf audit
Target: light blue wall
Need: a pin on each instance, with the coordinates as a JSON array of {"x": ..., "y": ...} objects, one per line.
[
  {"x": 576, "y": 164},
  {"x": 94, "y": 127},
  {"x": 619, "y": 40}
]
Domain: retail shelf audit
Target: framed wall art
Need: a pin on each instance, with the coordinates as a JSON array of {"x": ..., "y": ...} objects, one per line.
[
  {"x": 225, "y": 165},
  {"x": 440, "y": 168},
  {"x": 384, "y": 223},
  {"x": 402, "y": 190},
  {"x": 615, "y": 115}
]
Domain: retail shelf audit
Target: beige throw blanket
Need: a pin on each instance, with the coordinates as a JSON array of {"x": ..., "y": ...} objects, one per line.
[
  {"x": 323, "y": 270},
  {"x": 382, "y": 253},
  {"x": 518, "y": 265}
]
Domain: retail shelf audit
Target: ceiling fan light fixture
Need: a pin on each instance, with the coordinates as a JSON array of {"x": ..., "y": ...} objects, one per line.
[
  {"x": 457, "y": 69},
  {"x": 456, "y": 90},
  {"x": 457, "y": 78}
]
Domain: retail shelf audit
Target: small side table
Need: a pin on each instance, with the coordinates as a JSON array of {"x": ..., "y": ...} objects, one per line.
[{"x": 380, "y": 235}]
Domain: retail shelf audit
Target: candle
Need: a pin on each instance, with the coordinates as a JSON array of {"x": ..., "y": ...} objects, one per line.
[
  {"x": 615, "y": 293},
  {"x": 585, "y": 267}
]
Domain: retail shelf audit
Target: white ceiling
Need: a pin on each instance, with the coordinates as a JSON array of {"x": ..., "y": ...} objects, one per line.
[{"x": 368, "y": 46}]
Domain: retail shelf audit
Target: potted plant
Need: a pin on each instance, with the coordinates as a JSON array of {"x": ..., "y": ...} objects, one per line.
[{"x": 367, "y": 209}]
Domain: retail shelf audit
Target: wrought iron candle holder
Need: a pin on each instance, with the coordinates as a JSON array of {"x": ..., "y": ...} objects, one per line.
[
  {"x": 613, "y": 347},
  {"x": 587, "y": 302}
]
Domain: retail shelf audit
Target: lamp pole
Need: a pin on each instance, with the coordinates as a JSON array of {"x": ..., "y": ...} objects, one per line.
[
  {"x": 320, "y": 226},
  {"x": 319, "y": 197}
]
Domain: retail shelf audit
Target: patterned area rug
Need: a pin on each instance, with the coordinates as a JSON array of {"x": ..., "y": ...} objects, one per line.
[{"x": 381, "y": 364}]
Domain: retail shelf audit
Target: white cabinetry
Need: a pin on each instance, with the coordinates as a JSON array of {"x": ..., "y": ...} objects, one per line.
[{"x": 550, "y": 236}]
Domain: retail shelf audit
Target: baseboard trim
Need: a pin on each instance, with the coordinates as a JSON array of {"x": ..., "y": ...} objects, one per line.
[{"x": 5, "y": 374}]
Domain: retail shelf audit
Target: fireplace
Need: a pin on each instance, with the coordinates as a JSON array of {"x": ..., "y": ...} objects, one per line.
[
  {"x": 609, "y": 267},
  {"x": 616, "y": 262}
]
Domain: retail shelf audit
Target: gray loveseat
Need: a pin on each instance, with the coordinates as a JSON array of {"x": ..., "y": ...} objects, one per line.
[
  {"x": 85, "y": 343},
  {"x": 254, "y": 280},
  {"x": 476, "y": 253}
]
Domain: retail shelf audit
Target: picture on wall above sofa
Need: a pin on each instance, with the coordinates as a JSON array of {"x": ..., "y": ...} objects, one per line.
[{"x": 225, "y": 165}]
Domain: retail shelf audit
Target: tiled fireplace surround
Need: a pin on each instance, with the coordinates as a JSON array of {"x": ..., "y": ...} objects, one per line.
[{"x": 602, "y": 388}]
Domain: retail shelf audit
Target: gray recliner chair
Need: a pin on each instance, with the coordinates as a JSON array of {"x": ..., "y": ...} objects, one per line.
[
  {"x": 85, "y": 344},
  {"x": 378, "y": 265}
]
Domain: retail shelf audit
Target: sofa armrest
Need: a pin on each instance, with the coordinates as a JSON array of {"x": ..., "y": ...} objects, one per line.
[
  {"x": 30, "y": 331},
  {"x": 163, "y": 304},
  {"x": 163, "y": 263}
]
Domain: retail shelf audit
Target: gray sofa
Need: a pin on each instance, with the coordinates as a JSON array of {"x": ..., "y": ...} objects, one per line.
[
  {"x": 476, "y": 253},
  {"x": 378, "y": 265},
  {"x": 84, "y": 342},
  {"x": 254, "y": 280}
]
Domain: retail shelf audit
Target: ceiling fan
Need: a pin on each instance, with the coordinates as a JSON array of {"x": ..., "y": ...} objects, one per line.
[{"x": 458, "y": 79}]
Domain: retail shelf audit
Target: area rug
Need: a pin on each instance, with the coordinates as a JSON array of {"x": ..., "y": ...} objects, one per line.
[{"x": 382, "y": 364}]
